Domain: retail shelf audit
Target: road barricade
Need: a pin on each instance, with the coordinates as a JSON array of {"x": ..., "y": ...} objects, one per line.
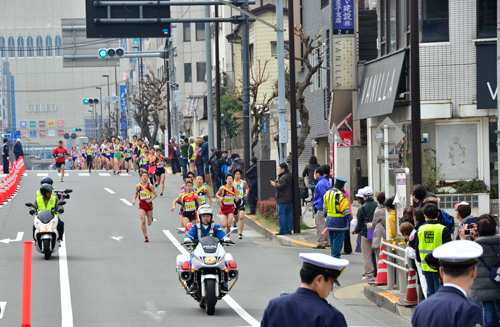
[{"x": 10, "y": 184}]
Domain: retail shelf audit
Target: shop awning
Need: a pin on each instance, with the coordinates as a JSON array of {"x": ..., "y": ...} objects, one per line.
[{"x": 379, "y": 86}]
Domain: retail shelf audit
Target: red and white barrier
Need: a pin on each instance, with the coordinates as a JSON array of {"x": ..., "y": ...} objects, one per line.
[{"x": 10, "y": 184}]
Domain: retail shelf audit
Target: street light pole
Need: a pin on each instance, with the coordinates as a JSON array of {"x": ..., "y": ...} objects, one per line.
[
  {"x": 109, "y": 110},
  {"x": 100, "y": 102}
]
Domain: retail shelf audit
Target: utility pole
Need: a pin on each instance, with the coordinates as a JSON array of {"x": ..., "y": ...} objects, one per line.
[
  {"x": 245, "y": 72},
  {"x": 416, "y": 145},
  {"x": 283, "y": 125},
  {"x": 117, "y": 107},
  {"x": 100, "y": 102},
  {"x": 217, "y": 82},
  {"x": 108, "y": 104},
  {"x": 208, "y": 50},
  {"x": 173, "y": 88}
]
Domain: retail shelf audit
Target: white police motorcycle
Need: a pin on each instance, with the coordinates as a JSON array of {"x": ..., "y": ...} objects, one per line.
[
  {"x": 45, "y": 230},
  {"x": 207, "y": 277}
]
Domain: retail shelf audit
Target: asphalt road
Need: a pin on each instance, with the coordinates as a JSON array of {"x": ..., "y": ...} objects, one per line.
[{"x": 105, "y": 275}]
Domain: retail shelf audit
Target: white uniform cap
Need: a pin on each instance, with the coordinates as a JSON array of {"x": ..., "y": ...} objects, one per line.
[
  {"x": 324, "y": 263},
  {"x": 458, "y": 254},
  {"x": 367, "y": 191},
  {"x": 360, "y": 192},
  {"x": 18, "y": 140}
]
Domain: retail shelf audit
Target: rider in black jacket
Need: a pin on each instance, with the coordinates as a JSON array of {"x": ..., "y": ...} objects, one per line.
[{"x": 251, "y": 178}]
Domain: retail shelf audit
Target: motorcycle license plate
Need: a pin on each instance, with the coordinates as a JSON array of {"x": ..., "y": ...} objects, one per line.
[{"x": 44, "y": 229}]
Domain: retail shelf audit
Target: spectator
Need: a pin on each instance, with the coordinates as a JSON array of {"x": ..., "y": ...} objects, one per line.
[
  {"x": 236, "y": 163},
  {"x": 206, "y": 157},
  {"x": 464, "y": 216},
  {"x": 185, "y": 157},
  {"x": 221, "y": 165},
  {"x": 251, "y": 178},
  {"x": 225, "y": 155},
  {"x": 210, "y": 166},
  {"x": 18, "y": 149},
  {"x": 200, "y": 167},
  {"x": 192, "y": 154},
  {"x": 443, "y": 218},
  {"x": 483, "y": 289},
  {"x": 284, "y": 199},
  {"x": 321, "y": 188},
  {"x": 418, "y": 220},
  {"x": 430, "y": 236},
  {"x": 216, "y": 170},
  {"x": 406, "y": 229},
  {"x": 365, "y": 216},
  {"x": 389, "y": 206},
  {"x": 310, "y": 172},
  {"x": 378, "y": 225},
  {"x": 174, "y": 152},
  {"x": 407, "y": 215},
  {"x": 5, "y": 156},
  {"x": 418, "y": 195}
]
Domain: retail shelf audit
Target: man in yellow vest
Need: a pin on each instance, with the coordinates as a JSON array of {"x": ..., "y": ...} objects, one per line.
[
  {"x": 430, "y": 236},
  {"x": 46, "y": 200},
  {"x": 338, "y": 216},
  {"x": 192, "y": 154}
]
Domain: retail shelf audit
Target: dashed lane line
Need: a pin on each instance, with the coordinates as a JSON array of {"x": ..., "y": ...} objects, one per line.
[
  {"x": 126, "y": 202},
  {"x": 228, "y": 299},
  {"x": 104, "y": 174},
  {"x": 65, "y": 174},
  {"x": 83, "y": 174},
  {"x": 42, "y": 174},
  {"x": 110, "y": 191}
]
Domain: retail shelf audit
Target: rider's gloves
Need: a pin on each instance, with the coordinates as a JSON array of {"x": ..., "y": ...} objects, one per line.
[
  {"x": 60, "y": 210},
  {"x": 32, "y": 211},
  {"x": 187, "y": 240}
]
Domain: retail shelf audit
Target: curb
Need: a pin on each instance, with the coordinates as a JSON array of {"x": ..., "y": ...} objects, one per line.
[
  {"x": 269, "y": 233},
  {"x": 386, "y": 300}
]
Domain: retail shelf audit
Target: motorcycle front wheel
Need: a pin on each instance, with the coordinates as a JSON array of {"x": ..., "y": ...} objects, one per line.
[
  {"x": 210, "y": 298},
  {"x": 46, "y": 248}
]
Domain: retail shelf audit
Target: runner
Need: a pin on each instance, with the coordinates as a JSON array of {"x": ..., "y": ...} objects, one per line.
[
  {"x": 134, "y": 154},
  {"x": 144, "y": 159},
  {"x": 102, "y": 149},
  {"x": 128, "y": 157},
  {"x": 160, "y": 171},
  {"x": 189, "y": 202},
  {"x": 117, "y": 156},
  {"x": 95, "y": 154},
  {"x": 202, "y": 191},
  {"x": 152, "y": 166},
  {"x": 60, "y": 154},
  {"x": 227, "y": 196},
  {"x": 137, "y": 152},
  {"x": 74, "y": 156},
  {"x": 89, "y": 151},
  {"x": 239, "y": 206},
  {"x": 84, "y": 156},
  {"x": 144, "y": 191}
]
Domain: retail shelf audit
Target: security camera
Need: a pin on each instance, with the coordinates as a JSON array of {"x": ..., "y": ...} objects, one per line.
[{"x": 426, "y": 137}]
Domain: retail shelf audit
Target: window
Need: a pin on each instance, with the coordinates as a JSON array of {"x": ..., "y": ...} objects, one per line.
[
  {"x": 2, "y": 47},
  {"x": 435, "y": 21},
  {"x": 48, "y": 46},
  {"x": 324, "y": 3},
  {"x": 187, "y": 32},
  {"x": 12, "y": 47},
  {"x": 201, "y": 71},
  {"x": 58, "y": 46},
  {"x": 200, "y": 31},
  {"x": 274, "y": 48},
  {"x": 251, "y": 53},
  {"x": 393, "y": 39},
  {"x": 20, "y": 47},
  {"x": 39, "y": 46},
  {"x": 486, "y": 18},
  {"x": 29, "y": 47},
  {"x": 187, "y": 73}
]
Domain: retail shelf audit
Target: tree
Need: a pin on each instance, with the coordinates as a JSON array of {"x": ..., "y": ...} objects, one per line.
[
  {"x": 150, "y": 105},
  {"x": 230, "y": 107}
]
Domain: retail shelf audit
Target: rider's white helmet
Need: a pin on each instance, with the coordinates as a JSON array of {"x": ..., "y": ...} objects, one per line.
[{"x": 205, "y": 210}]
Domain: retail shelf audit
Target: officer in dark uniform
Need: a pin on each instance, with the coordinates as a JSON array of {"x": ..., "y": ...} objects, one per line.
[
  {"x": 5, "y": 157},
  {"x": 450, "y": 307},
  {"x": 307, "y": 307}
]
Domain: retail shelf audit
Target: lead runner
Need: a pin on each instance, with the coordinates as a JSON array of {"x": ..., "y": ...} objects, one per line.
[{"x": 147, "y": 194}]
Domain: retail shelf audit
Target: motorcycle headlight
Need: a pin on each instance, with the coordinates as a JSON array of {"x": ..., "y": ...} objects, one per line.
[{"x": 210, "y": 260}]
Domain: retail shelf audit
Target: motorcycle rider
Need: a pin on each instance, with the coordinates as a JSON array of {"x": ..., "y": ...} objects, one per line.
[
  {"x": 45, "y": 200},
  {"x": 48, "y": 180}
]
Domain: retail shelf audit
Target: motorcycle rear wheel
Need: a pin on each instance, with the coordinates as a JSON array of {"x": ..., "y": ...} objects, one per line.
[
  {"x": 46, "y": 249},
  {"x": 210, "y": 298}
]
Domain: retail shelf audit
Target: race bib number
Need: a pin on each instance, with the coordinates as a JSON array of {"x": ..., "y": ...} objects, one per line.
[
  {"x": 203, "y": 199},
  {"x": 161, "y": 164},
  {"x": 127, "y": 155},
  {"x": 228, "y": 199},
  {"x": 60, "y": 154},
  {"x": 144, "y": 195},
  {"x": 190, "y": 206}
]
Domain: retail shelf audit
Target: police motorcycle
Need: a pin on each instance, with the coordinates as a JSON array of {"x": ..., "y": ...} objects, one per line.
[
  {"x": 45, "y": 229},
  {"x": 207, "y": 274}
]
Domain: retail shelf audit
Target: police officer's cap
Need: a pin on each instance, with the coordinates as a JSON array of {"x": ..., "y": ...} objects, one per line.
[
  {"x": 340, "y": 181},
  {"x": 324, "y": 264},
  {"x": 458, "y": 254}
]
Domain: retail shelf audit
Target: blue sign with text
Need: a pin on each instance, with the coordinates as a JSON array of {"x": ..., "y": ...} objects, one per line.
[
  {"x": 13, "y": 101},
  {"x": 342, "y": 17},
  {"x": 32, "y": 133},
  {"x": 123, "y": 111}
]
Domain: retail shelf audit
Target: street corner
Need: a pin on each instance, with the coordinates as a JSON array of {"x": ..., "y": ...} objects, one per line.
[{"x": 390, "y": 299}]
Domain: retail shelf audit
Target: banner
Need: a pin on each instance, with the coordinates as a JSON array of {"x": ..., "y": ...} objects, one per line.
[
  {"x": 32, "y": 124},
  {"x": 123, "y": 110},
  {"x": 22, "y": 124}
]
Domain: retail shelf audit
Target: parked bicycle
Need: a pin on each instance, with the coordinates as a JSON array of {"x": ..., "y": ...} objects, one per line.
[{"x": 309, "y": 213}]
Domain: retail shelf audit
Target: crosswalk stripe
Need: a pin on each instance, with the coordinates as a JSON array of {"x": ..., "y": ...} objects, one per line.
[
  {"x": 65, "y": 174},
  {"x": 83, "y": 174},
  {"x": 104, "y": 174},
  {"x": 42, "y": 174}
]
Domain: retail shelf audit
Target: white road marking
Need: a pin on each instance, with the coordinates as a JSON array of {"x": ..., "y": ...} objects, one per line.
[
  {"x": 42, "y": 174},
  {"x": 3, "y": 175},
  {"x": 153, "y": 312},
  {"x": 154, "y": 219},
  {"x": 18, "y": 238},
  {"x": 126, "y": 202},
  {"x": 65, "y": 174},
  {"x": 228, "y": 299},
  {"x": 83, "y": 174},
  {"x": 107, "y": 189},
  {"x": 117, "y": 238},
  {"x": 25, "y": 174},
  {"x": 124, "y": 174},
  {"x": 66, "y": 308},
  {"x": 104, "y": 174},
  {"x": 2, "y": 309}
]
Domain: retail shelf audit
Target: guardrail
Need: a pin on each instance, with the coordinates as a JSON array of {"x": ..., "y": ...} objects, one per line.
[{"x": 393, "y": 260}]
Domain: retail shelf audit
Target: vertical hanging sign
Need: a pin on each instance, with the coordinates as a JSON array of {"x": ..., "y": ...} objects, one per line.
[
  {"x": 343, "y": 55},
  {"x": 13, "y": 102},
  {"x": 123, "y": 111}
]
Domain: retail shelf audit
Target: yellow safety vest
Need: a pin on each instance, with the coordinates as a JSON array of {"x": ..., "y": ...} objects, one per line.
[
  {"x": 193, "y": 156},
  {"x": 330, "y": 199},
  {"x": 41, "y": 204},
  {"x": 430, "y": 236}
]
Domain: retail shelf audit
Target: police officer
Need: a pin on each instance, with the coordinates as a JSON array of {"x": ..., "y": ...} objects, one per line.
[
  {"x": 450, "y": 307},
  {"x": 5, "y": 156},
  {"x": 308, "y": 306},
  {"x": 46, "y": 200}
]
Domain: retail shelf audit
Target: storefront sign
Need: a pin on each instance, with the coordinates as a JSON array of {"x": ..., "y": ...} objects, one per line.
[
  {"x": 52, "y": 123},
  {"x": 23, "y": 124},
  {"x": 13, "y": 101},
  {"x": 32, "y": 133},
  {"x": 32, "y": 123},
  {"x": 52, "y": 132},
  {"x": 342, "y": 17},
  {"x": 41, "y": 123},
  {"x": 42, "y": 133},
  {"x": 60, "y": 123},
  {"x": 344, "y": 62},
  {"x": 41, "y": 108},
  {"x": 24, "y": 133},
  {"x": 486, "y": 69},
  {"x": 60, "y": 132}
]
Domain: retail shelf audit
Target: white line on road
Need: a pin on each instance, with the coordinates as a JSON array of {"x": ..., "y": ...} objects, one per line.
[
  {"x": 228, "y": 299},
  {"x": 126, "y": 202},
  {"x": 66, "y": 309},
  {"x": 65, "y": 174},
  {"x": 2, "y": 309},
  {"x": 124, "y": 174},
  {"x": 83, "y": 174},
  {"x": 104, "y": 174},
  {"x": 42, "y": 174},
  {"x": 107, "y": 189}
]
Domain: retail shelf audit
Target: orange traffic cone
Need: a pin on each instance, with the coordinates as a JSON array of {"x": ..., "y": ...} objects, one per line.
[
  {"x": 382, "y": 269},
  {"x": 3, "y": 194},
  {"x": 411, "y": 291}
]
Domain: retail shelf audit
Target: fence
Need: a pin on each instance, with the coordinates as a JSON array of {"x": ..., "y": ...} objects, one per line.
[{"x": 396, "y": 262}]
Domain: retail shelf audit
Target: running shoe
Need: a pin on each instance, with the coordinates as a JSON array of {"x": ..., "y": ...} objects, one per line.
[
  {"x": 120, "y": 172},
  {"x": 59, "y": 243},
  {"x": 61, "y": 180},
  {"x": 161, "y": 194},
  {"x": 114, "y": 173},
  {"x": 146, "y": 239},
  {"x": 234, "y": 223},
  {"x": 240, "y": 236}
]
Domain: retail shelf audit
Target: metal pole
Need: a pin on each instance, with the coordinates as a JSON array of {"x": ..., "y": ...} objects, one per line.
[
  {"x": 293, "y": 121},
  {"x": 386, "y": 161},
  {"x": 217, "y": 82},
  {"x": 335, "y": 157},
  {"x": 245, "y": 63},
  {"x": 498, "y": 105},
  {"x": 107, "y": 103},
  {"x": 116, "y": 106},
  {"x": 416, "y": 146},
  {"x": 210, "y": 109},
  {"x": 173, "y": 87},
  {"x": 169, "y": 98},
  {"x": 283, "y": 125}
]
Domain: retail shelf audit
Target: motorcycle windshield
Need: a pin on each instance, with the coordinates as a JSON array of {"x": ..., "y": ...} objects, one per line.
[
  {"x": 45, "y": 216},
  {"x": 209, "y": 244}
]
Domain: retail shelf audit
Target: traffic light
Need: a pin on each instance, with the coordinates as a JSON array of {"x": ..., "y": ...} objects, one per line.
[
  {"x": 91, "y": 101},
  {"x": 7, "y": 135},
  {"x": 77, "y": 129},
  {"x": 111, "y": 53}
]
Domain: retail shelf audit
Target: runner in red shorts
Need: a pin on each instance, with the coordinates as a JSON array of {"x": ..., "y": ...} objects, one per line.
[
  {"x": 146, "y": 193},
  {"x": 227, "y": 197},
  {"x": 189, "y": 201}
]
